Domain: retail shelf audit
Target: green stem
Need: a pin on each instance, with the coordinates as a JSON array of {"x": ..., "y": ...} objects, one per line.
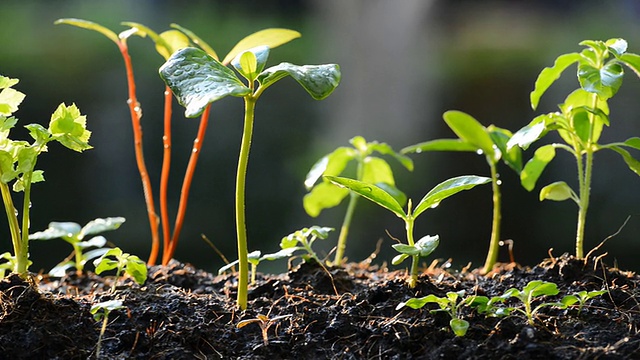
[
  {"x": 415, "y": 259},
  {"x": 14, "y": 227},
  {"x": 494, "y": 243},
  {"x": 243, "y": 160},
  {"x": 23, "y": 258},
  {"x": 344, "y": 230}
]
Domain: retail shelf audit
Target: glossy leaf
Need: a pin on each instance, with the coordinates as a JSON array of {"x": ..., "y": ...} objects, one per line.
[
  {"x": 162, "y": 47},
  {"x": 539, "y": 288},
  {"x": 557, "y": 191},
  {"x": 440, "y": 145},
  {"x": 471, "y": 131},
  {"x": 57, "y": 230},
  {"x": 534, "y": 167},
  {"x": 90, "y": 26},
  {"x": 323, "y": 196},
  {"x": 318, "y": 80},
  {"x": 526, "y": 136},
  {"x": 396, "y": 193},
  {"x": 550, "y": 74},
  {"x": 101, "y": 225},
  {"x": 197, "y": 40},
  {"x": 268, "y": 37},
  {"x": 603, "y": 81},
  {"x": 371, "y": 192},
  {"x": 617, "y": 46},
  {"x": 197, "y": 80},
  {"x": 448, "y": 188},
  {"x": 251, "y": 62},
  {"x": 332, "y": 164},
  {"x": 385, "y": 149},
  {"x": 632, "y": 61},
  {"x": 459, "y": 326},
  {"x": 510, "y": 156}
]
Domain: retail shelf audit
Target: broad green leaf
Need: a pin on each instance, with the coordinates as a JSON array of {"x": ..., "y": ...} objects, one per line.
[
  {"x": 581, "y": 98},
  {"x": 400, "y": 197},
  {"x": 197, "y": 80},
  {"x": 10, "y": 99},
  {"x": 632, "y": 61},
  {"x": 617, "y": 46},
  {"x": 471, "y": 131},
  {"x": 534, "y": 167},
  {"x": 538, "y": 288},
  {"x": 440, "y": 145},
  {"x": 459, "y": 326},
  {"x": 557, "y": 191},
  {"x": 101, "y": 225},
  {"x": 136, "y": 268},
  {"x": 376, "y": 170},
  {"x": 371, "y": 192},
  {"x": 633, "y": 142},
  {"x": 318, "y": 80},
  {"x": 603, "y": 81},
  {"x": 267, "y": 37},
  {"x": 632, "y": 163},
  {"x": 57, "y": 230},
  {"x": 69, "y": 127},
  {"x": 323, "y": 196},
  {"x": 549, "y": 75},
  {"x": 251, "y": 62},
  {"x": 90, "y": 26},
  {"x": 332, "y": 164},
  {"x": 526, "y": 136},
  {"x": 197, "y": 40},
  {"x": 446, "y": 189},
  {"x": 513, "y": 156},
  {"x": 175, "y": 41}
]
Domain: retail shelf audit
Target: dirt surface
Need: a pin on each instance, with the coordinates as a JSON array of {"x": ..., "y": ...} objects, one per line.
[{"x": 345, "y": 313}]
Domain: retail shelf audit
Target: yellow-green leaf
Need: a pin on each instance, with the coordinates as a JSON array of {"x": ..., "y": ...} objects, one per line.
[{"x": 269, "y": 37}]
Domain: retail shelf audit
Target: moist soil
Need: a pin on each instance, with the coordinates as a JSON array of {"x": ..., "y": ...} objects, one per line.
[{"x": 317, "y": 313}]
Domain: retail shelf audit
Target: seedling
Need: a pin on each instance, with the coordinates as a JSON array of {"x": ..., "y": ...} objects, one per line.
[
  {"x": 579, "y": 122},
  {"x": 73, "y": 234},
  {"x": 18, "y": 161},
  {"x": 581, "y": 298},
  {"x": 264, "y": 322},
  {"x": 371, "y": 169},
  {"x": 488, "y": 141},
  {"x": 534, "y": 289},
  {"x": 100, "y": 312},
  {"x": 450, "y": 304},
  {"x": 130, "y": 264},
  {"x": 427, "y": 244},
  {"x": 198, "y": 79}
]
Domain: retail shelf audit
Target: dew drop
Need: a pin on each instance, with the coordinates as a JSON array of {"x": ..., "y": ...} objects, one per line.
[
  {"x": 418, "y": 151},
  {"x": 479, "y": 152},
  {"x": 499, "y": 182},
  {"x": 434, "y": 205}
]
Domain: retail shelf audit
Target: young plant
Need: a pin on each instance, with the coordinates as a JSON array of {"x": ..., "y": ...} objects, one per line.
[
  {"x": 579, "y": 122},
  {"x": 198, "y": 79},
  {"x": 488, "y": 141},
  {"x": 427, "y": 244},
  {"x": 534, "y": 289},
  {"x": 75, "y": 235},
  {"x": 130, "y": 264},
  {"x": 581, "y": 298},
  {"x": 371, "y": 169},
  {"x": 450, "y": 304},
  {"x": 18, "y": 160},
  {"x": 265, "y": 322},
  {"x": 100, "y": 312}
]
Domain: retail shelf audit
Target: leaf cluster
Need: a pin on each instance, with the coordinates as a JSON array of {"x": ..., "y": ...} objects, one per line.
[{"x": 121, "y": 261}]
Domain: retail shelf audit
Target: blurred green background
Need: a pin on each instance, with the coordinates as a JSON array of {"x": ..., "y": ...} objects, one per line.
[{"x": 404, "y": 63}]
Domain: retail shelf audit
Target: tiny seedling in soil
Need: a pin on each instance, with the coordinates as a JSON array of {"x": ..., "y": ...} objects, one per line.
[
  {"x": 488, "y": 141},
  {"x": 130, "y": 264},
  {"x": 427, "y": 244},
  {"x": 579, "y": 122},
  {"x": 533, "y": 290},
  {"x": 371, "y": 169},
  {"x": 75, "y": 235},
  {"x": 450, "y": 304},
  {"x": 197, "y": 79},
  {"x": 18, "y": 161},
  {"x": 580, "y": 298},
  {"x": 100, "y": 312},
  {"x": 264, "y": 322}
]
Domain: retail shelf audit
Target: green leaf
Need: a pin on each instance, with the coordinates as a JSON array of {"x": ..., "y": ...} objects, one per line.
[
  {"x": 398, "y": 259},
  {"x": 371, "y": 192},
  {"x": 471, "y": 131},
  {"x": 440, "y": 145},
  {"x": 376, "y": 170},
  {"x": 537, "y": 288},
  {"x": 251, "y": 62},
  {"x": 418, "y": 303},
  {"x": 101, "y": 225},
  {"x": 197, "y": 40},
  {"x": 323, "y": 196},
  {"x": 448, "y": 188},
  {"x": 549, "y": 75},
  {"x": 459, "y": 326},
  {"x": 166, "y": 43},
  {"x": 632, "y": 61},
  {"x": 617, "y": 46},
  {"x": 10, "y": 98},
  {"x": 513, "y": 156},
  {"x": 569, "y": 300},
  {"x": 57, "y": 230},
  {"x": 268, "y": 37},
  {"x": 632, "y": 163},
  {"x": 410, "y": 250},
  {"x": 385, "y": 149},
  {"x": 197, "y": 80},
  {"x": 90, "y": 26},
  {"x": 557, "y": 191},
  {"x": 427, "y": 244},
  {"x": 633, "y": 142},
  {"x": 603, "y": 81},
  {"x": 282, "y": 254},
  {"x": 534, "y": 167},
  {"x": 69, "y": 128},
  {"x": 529, "y": 134},
  {"x": 400, "y": 197},
  {"x": 137, "y": 269},
  {"x": 332, "y": 164},
  {"x": 318, "y": 80}
]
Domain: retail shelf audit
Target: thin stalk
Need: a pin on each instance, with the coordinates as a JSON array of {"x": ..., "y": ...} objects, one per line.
[
  {"x": 186, "y": 185},
  {"x": 346, "y": 224},
  {"x": 14, "y": 227},
  {"x": 415, "y": 259},
  {"x": 23, "y": 258},
  {"x": 494, "y": 243},
  {"x": 250, "y": 103},
  {"x": 136, "y": 114},
  {"x": 166, "y": 167}
]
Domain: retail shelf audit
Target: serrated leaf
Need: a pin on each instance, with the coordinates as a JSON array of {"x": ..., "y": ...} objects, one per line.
[
  {"x": 371, "y": 192},
  {"x": 557, "y": 191},
  {"x": 90, "y": 26},
  {"x": 448, "y": 188},
  {"x": 318, "y": 80},
  {"x": 440, "y": 145},
  {"x": 10, "y": 99},
  {"x": 69, "y": 127},
  {"x": 470, "y": 130},
  {"x": 268, "y": 37},
  {"x": 534, "y": 167},
  {"x": 197, "y": 80},
  {"x": 323, "y": 196},
  {"x": 549, "y": 75}
]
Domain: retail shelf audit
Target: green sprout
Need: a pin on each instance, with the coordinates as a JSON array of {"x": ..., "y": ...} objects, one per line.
[
  {"x": 18, "y": 161},
  {"x": 197, "y": 79},
  {"x": 450, "y": 304},
  {"x": 579, "y": 122},
  {"x": 265, "y": 322},
  {"x": 534, "y": 289},
  {"x": 75, "y": 235},
  {"x": 130, "y": 264},
  {"x": 581, "y": 298},
  {"x": 427, "y": 244},
  {"x": 370, "y": 169},
  {"x": 100, "y": 312}
]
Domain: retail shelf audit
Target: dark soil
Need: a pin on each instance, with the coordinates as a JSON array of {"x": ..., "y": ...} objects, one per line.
[{"x": 184, "y": 313}]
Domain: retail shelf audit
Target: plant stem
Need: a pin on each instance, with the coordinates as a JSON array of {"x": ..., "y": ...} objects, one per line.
[
  {"x": 413, "y": 273},
  {"x": 346, "y": 224},
  {"x": 186, "y": 185},
  {"x": 102, "y": 331},
  {"x": 14, "y": 227},
  {"x": 166, "y": 166},
  {"x": 136, "y": 114},
  {"x": 250, "y": 102},
  {"x": 494, "y": 243}
]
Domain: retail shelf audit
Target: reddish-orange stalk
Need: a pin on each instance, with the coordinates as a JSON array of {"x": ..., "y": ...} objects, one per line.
[
  {"x": 186, "y": 186},
  {"x": 166, "y": 165},
  {"x": 136, "y": 114}
]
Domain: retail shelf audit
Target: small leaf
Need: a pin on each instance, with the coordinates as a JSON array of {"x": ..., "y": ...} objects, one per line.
[
  {"x": 101, "y": 225},
  {"x": 513, "y": 156},
  {"x": 569, "y": 300},
  {"x": 537, "y": 288},
  {"x": 448, "y": 188},
  {"x": 632, "y": 163},
  {"x": 332, "y": 164},
  {"x": 69, "y": 127},
  {"x": 57, "y": 230},
  {"x": 90, "y": 26},
  {"x": 406, "y": 249},
  {"x": 617, "y": 46},
  {"x": 197, "y": 80},
  {"x": 418, "y": 303},
  {"x": 323, "y": 196},
  {"x": 440, "y": 145},
  {"x": 196, "y": 40},
  {"x": 376, "y": 170},
  {"x": 398, "y": 259},
  {"x": 385, "y": 149},
  {"x": 528, "y": 134},
  {"x": 427, "y": 244},
  {"x": 282, "y": 254},
  {"x": 603, "y": 81},
  {"x": 10, "y": 98},
  {"x": 632, "y": 61},
  {"x": 108, "y": 306},
  {"x": 557, "y": 191},
  {"x": 459, "y": 326},
  {"x": 471, "y": 131},
  {"x": 268, "y": 37},
  {"x": 96, "y": 241},
  {"x": 534, "y": 167},
  {"x": 251, "y": 62},
  {"x": 371, "y": 192},
  {"x": 550, "y": 74},
  {"x": 318, "y": 80},
  {"x": 136, "y": 268}
]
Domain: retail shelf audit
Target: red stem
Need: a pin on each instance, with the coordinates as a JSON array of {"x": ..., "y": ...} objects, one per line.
[
  {"x": 166, "y": 165},
  {"x": 136, "y": 114},
  {"x": 186, "y": 185}
]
